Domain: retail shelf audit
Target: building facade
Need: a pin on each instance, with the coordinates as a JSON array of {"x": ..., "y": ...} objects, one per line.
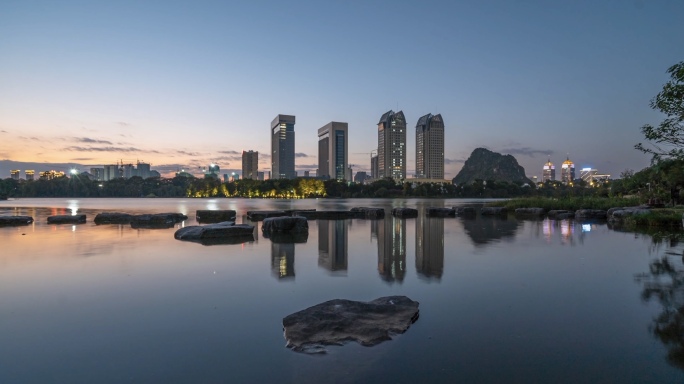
[
  {"x": 30, "y": 174},
  {"x": 430, "y": 147},
  {"x": 250, "y": 164},
  {"x": 283, "y": 147},
  {"x": 333, "y": 151},
  {"x": 567, "y": 171},
  {"x": 548, "y": 172},
  {"x": 392, "y": 145},
  {"x": 14, "y": 174}
]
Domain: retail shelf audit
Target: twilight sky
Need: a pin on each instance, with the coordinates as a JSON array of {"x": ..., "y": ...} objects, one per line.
[{"x": 185, "y": 83}]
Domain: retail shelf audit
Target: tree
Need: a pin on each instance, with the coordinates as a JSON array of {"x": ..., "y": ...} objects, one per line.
[{"x": 667, "y": 139}]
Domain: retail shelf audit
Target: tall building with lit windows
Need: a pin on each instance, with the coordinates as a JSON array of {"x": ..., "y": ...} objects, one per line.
[
  {"x": 430, "y": 147},
  {"x": 567, "y": 171},
  {"x": 548, "y": 172},
  {"x": 392, "y": 145},
  {"x": 250, "y": 164},
  {"x": 333, "y": 151},
  {"x": 30, "y": 174},
  {"x": 283, "y": 147},
  {"x": 14, "y": 174}
]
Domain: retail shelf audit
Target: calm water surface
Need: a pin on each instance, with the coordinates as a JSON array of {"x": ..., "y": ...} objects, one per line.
[{"x": 500, "y": 300}]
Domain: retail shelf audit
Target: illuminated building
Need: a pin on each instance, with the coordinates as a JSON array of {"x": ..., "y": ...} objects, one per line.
[
  {"x": 548, "y": 172},
  {"x": 374, "y": 167},
  {"x": 591, "y": 176},
  {"x": 250, "y": 164},
  {"x": 391, "y": 235},
  {"x": 14, "y": 174},
  {"x": 430, "y": 246},
  {"x": 212, "y": 172},
  {"x": 333, "y": 149},
  {"x": 183, "y": 173},
  {"x": 392, "y": 145},
  {"x": 332, "y": 244},
  {"x": 50, "y": 175},
  {"x": 30, "y": 174},
  {"x": 567, "y": 171},
  {"x": 283, "y": 147},
  {"x": 282, "y": 260},
  {"x": 430, "y": 147}
]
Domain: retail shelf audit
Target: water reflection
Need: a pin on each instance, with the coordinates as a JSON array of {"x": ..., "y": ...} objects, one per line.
[
  {"x": 485, "y": 230},
  {"x": 430, "y": 246},
  {"x": 391, "y": 235},
  {"x": 282, "y": 260},
  {"x": 332, "y": 244}
]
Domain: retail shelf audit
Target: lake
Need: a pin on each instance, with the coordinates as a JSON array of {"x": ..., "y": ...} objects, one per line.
[{"x": 500, "y": 300}]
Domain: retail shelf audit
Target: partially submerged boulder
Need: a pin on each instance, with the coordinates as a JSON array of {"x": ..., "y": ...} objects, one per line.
[
  {"x": 599, "y": 214},
  {"x": 404, "y": 212},
  {"x": 619, "y": 214},
  {"x": 260, "y": 215},
  {"x": 217, "y": 233},
  {"x": 285, "y": 224},
  {"x": 465, "y": 211},
  {"x": 157, "y": 220},
  {"x": 440, "y": 212},
  {"x": 368, "y": 213},
  {"x": 326, "y": 215},
  {"x": 66, "y": 219},
  {"x": 493, "y": 211},
  {"x": 530, "y": 212},
  {"x": 560, "y": 214},
  {"x": 15, "y": 220},
  {"x": 113, "y": 218},
  {"x": 217, "y": 216},
  {"x": 337, "y": 321}
]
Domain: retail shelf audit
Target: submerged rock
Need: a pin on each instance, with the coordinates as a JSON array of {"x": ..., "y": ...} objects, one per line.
[
  {"x": 404, "y": 212},
  {"x": 157, "y": 220},
  {"x": 529, "y": 212},
  {"x": 206, "y": 216},
  {"x": 66, "y": 219},
  {"x": 285, "y": 224},
  {"x": 591, "y": 214},
  {"x": 337, "y": 321},
  {"x": 219, "y": 233},
  {"x": 113, "y": 218},
  {"x": 493, "y": 211},
  {"x": 440, "y": 212},
  {"x": 368, "y": 213},
  {"x": 15, "y": 220},
  {"x": 260, "y": 215},
  {"x": 465, "y": 211}
]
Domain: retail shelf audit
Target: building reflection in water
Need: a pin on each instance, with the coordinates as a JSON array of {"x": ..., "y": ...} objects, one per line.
[
  {"x": 391, "y": 235},
  {"x": 282, "y": 260},
  {"x": 565, "y": 227},
  {"x": 430, "y": 246},
  {"x": 332, "y": 245}
]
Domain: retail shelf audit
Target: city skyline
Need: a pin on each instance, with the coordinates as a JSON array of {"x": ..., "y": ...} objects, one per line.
[{"x": 89, "y": 84}]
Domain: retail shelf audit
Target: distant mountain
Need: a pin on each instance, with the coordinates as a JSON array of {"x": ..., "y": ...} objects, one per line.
[{"x": 487, "y": 165}]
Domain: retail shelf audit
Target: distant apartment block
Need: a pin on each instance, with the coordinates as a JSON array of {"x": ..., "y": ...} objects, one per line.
[
  {"x": 14, "y": 174},
  {"x": 126, "y": 171},
  {"x": 430, "y": 147},
  {"x": 250, "y": 164},
  {"x": 50, "y": 175},
  {"x": 548, "y": 172},
  {"x": 333, "y": 151},
  {"x": 392, "y": 145},
  {"x": 98, "y": 173},
  {"x": 283, "y": 147},
  {"x": 567, "y": 171},
  {"x": 30, "y": 174}
]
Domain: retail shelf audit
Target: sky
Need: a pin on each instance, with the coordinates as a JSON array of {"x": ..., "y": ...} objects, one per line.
[{"x": 181, "y": 84}]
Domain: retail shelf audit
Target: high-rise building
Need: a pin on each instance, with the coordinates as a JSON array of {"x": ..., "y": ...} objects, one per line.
[
  {"x": 250, "y": 164},
  {"x": 260, "y": 176},
  {"x": 98, "y": 173},
  {"x": 143, "y": 170},
  {"x": 333, "y": 150},
  {"x": 392, "y": 145},
  {"x": 374, "y": 167},
  {"x": 430, "y": 147},
  {"x": 14, "y": 174},
  {"x": 283, "y": 147},
  {"x": 111, "y": 172},
  {"x": 567, "y": 171},
  {"x": 548, "y": 172},
  {"x": 30, "y": 174}
]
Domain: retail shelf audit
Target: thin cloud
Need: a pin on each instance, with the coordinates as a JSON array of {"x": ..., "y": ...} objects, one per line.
[
  {"x": 230, "y": 152},
  {"x": 92, "y": 141},
  {"x": 3, "y": 131},
  {"x": 106, "y": 149},
  {"x": 301, "y": 154},
  {"x": 82, "y": 159},
  {"x": 307, "y": 166},
  {"x": 188, "y": 153},
  {"x": 526, "y": 151},
  {"x": 228, "y": 158},
  {"x": 123, "y": 123}
]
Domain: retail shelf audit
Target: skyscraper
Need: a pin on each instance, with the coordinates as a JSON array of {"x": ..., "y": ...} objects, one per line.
[
  {"x": 250, "y": 164},
  {"x": 333, "y": 150},
  {"x": 567, "y": 171},
  {"x": 283, "y": 147},
  {"x": 392, "y": 145},
  {"x": 430, "y": 147},
  {"x": 548, "y": 172}
]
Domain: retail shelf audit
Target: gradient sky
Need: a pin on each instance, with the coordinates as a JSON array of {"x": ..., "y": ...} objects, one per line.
[{"x": 185, "y": 83}]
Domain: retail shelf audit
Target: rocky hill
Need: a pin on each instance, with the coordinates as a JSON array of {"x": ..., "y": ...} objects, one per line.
[{"x": 487, "y": 165}]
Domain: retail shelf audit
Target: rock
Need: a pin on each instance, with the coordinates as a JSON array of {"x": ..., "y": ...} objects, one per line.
[
  {"x": 493, "y": 211},
  {"x": 290, "y": 212},
  {"x": 66, "y": 219},
  {"x": 260, "y": 215},
  {"x": 15, "y": 220},
  {"x": 619, "y": 214},
  {"x": 219, "y": 231},
  {"x": 590, "y": 214},
  {"x": 113, "y": 218},
  {"x": 286, "y": 224},
  {"x": 559, "y": 214},
  {"x": 484, "y": 164},
  {"x": 337, "y": 321},
  {"x": 404, "y": 212},
  {"x": 217, "y": 216},
  {"x": 326, "y": 215},
  {"x": 157, "y": 220},
  {"x": 465, "y": 211},
  {"x": 368, "y": 213},
  {"x": 440, "y": 212},
  {"x": 529, "y": 212}
]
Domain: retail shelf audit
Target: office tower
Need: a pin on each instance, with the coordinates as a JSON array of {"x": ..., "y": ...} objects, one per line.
[
  {"x": 392, "y": 145},
  {"x": 30, "y": 174},
  {"x": 567, "y": 171},
  {"x": 374, "y": 167},
  {"x": 360, "y": 177},
  {"x": 250, "y": 164},
  {"x": 430, "y": 147},
  {"x": 333, "y": 151},
  {"x": 332, "y": 244},
  {"x": 14, "y": 174},
  {"x": 128, "y": 171},
  {"x": 283, "y": 147},
  {"x": 429, "y": 246},
  {"x": 111, "y": 172},
  {"x": 548, "y": 172},
  {"x": 143, "y": 170}
]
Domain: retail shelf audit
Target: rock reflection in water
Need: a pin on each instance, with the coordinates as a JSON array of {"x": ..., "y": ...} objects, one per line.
[
  {"x": 391, "y": 235},
  {"x": 665, "y": 282},
  {"x": 332, "y": 244},
  {"x": 430, "y": 246},
  {"x": 485, "y": 230}
]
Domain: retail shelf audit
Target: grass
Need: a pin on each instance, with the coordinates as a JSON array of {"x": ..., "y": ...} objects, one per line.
[
  {"x": 569, "y": 204},
  {"x": 667, "y": 218}
]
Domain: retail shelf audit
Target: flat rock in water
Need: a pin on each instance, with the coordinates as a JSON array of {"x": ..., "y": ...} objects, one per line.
[
  {"x": 260, "y": 215},
  {"x": 404, "y": 212},
  {"x": 285, "y": 224},
  {"x": 326, "y": 215},
  {"x": 15, "y": 220},
  {"x": 465, "y": 211},
  {"x": 214, "y": 232},
  {"x": 368, "y": 213},
  {"x": 591, "y": 214},
  {"x": 493, "y": 211},
  {"x": 560, "y": 214},
  {"x": 217, "y": 216},
  {"x": 530, "y": 212},
  {"x": 66, "y": 219},
  {"x": 113, "y": 218},
  {"x": 337, "y": 321},
  {"x": 440, "y": 212},
  {"x": 157, "y": 220}
]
